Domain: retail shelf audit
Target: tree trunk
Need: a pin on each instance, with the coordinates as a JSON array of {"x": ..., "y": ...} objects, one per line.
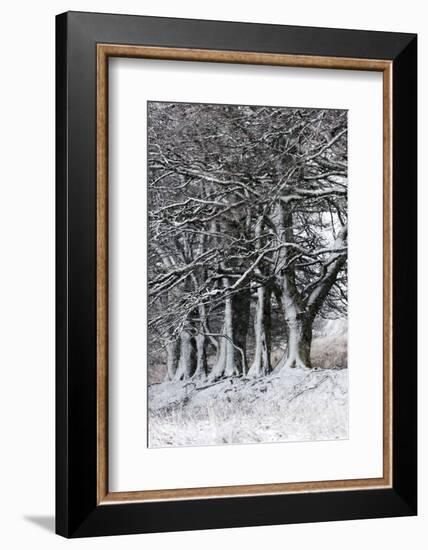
[
  {"x": 262, "y": 330},
  {"x": 172, "y": 355},
  {"x": 241, "y": 303},
  {"x": 232, "y": 360},
  {"x": 298, "y": 353},
  {"x": 187, "y": 362},
  {"x": 225, "y": 365},
  {"x": 298, "y": 323},
  {"x": 201, "y": 357},
  {"x": 220, "y": 364}
]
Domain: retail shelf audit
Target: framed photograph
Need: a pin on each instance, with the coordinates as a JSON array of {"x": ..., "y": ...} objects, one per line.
[{"x": 236, "y": 274}]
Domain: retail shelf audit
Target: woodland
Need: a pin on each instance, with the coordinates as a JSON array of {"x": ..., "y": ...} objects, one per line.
[
  {"x": 247, "y": 240},
  {"x": 247, "y": 211}
]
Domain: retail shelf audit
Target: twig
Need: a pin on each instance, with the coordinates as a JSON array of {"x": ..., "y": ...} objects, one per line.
[{"x": 308, "y": 388}]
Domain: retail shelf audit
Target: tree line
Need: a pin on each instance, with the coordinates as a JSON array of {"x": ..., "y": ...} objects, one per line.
[{"x": 247, "y": 210}]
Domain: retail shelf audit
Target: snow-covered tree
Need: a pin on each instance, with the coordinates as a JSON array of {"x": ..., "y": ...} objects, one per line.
[{"x": 247, "y": 210}]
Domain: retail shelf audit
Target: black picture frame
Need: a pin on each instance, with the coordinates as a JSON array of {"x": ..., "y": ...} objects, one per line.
[{"x": 78, "y": 513}]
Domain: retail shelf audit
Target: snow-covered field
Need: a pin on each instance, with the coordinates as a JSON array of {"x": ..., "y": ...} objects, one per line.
[{"x": 292, "y": 405}]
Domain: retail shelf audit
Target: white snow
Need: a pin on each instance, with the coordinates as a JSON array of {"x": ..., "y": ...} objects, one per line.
[{"x": 293, "y": 405}]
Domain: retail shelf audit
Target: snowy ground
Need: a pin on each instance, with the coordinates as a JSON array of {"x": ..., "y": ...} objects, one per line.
[{"x": 292, "y": 405}]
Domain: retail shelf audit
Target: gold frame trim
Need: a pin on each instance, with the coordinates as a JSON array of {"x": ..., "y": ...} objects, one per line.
[{"x": 104, "y": 51}]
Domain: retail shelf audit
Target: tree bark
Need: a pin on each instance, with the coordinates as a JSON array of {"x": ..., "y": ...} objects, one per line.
[
  {"x": 172, "y": 356},
  {"x": 225, "y": 365},
  {"x": 299, "y": 341},
  {"x": 220, "y": 364},
  {"x": 187, "y": 362},
  {"x": 232, "y": 360},
  {"x": 201, "y": 357},
  {"x": 298, "y": 323},
  {"x": 241, "y": 303},
  {"x": 262, "y": 321},
  {"x": 262, "y": 330}
]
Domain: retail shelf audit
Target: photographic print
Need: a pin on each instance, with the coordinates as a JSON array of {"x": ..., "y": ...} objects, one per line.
[
  {"x": 203, "y": 274},
  {"x": 247, "y": 274}
]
